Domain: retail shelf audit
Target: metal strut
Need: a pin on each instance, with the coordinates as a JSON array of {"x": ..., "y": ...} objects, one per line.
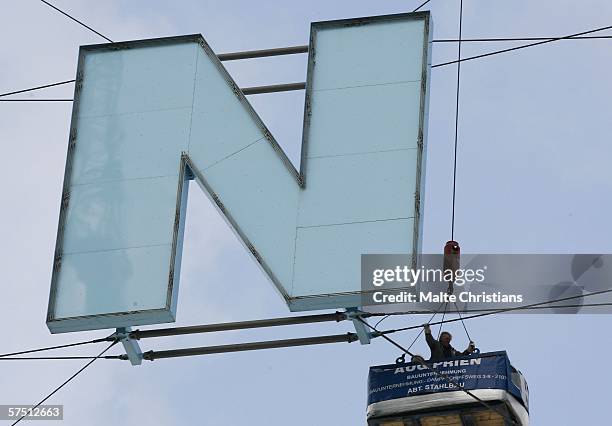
[
  {"x": 273, "y": 88},
  {"x": 253, "y": 346},
  {"x": 249, "y": 54},
  {"x": 129, "y": 338},
  {"x": 240, "y": 325}
]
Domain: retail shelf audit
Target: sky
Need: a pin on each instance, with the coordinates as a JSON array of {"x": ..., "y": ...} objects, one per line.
[{"x": 533, "y": 177}]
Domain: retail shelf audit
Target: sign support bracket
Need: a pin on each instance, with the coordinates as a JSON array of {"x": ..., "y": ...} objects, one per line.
[
  {"x": 355, "y": 315},
  {"x": 131, "y": 346}
]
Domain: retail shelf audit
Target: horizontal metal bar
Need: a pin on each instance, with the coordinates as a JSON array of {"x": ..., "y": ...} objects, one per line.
[
  {"x": 249, "y": 54},
  {"x": 273, "y": 88},
  {"x": 241, "y": 325},
  {"x": 241, "y": 347}
]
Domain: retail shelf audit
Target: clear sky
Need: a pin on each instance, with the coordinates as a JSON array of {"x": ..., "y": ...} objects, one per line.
[{"x": 534, "y": 176}]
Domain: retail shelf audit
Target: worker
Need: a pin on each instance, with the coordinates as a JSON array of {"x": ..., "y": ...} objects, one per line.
[
  {"x": 417, "y": 358},
  {"x": 442, "y": 349}
]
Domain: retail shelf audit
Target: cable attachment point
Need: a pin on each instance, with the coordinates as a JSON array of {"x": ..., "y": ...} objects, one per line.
[
  {"x": 356, "y": 316},
  {"x": 451, "y": 263},
  {"x": 131, "y": 346}
]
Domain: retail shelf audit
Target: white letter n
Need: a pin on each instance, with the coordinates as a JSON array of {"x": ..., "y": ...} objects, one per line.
[{"x": 150, "y": 115}]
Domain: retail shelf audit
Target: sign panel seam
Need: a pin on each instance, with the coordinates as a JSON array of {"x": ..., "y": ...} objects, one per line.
[
  {"x": 348, "y": 154},
  {"x": 390, "y": 83},
  {"x": 73, "y": 253},
  {"x": 227, "y": 157},
  {"x": 195, "y": 79},
  {"x": 142, "y": 111},
  {"x": 354, "y": 222}
]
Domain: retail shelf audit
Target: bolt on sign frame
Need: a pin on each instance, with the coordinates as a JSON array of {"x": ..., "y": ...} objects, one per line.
[{"x": 150, "y": 115}]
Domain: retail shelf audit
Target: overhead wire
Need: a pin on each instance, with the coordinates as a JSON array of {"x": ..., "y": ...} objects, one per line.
[
  {"x": 49, "y": 348},
  {"x": 510, "y": 39},
  {"x": 540, "y": 305},
  {"x": 44, "y": 358},
  {"x": 534, "y": 308},
  {"x": 524, "y": 46},
  {"x": 578, "y": 36},
  {"x": 67, "y": 381},
  {"x": 76, "y": 20},
  {"x": 61, "y": 82},
  {"x": 493, "y": 312},
  {"x": 422, "y": 4},
  {"x": 37, "y": 100},
  {"x": 44, "y": 86}
]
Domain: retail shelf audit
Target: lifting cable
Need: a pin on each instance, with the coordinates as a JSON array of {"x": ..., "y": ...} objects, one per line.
[
  {"x": 381, "y": 320},
  {"x": 430, "y": 320},
  {"x": 402, "y": 358},
  {"x": 462, "y": 322},
  {"x": 455, "y": 155},
  {"x": 442, "y": 322},
  {"x": 456, "y": 119}
]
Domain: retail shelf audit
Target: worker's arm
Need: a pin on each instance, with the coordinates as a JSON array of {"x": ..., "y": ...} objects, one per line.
[{"x": 431, "y": 342}]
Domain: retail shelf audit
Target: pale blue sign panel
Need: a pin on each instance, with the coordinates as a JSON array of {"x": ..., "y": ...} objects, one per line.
[{"x": 151, "y": 115}]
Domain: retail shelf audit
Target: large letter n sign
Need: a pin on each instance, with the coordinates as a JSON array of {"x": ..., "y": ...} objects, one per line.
[{"x": 151, "y": 115}]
